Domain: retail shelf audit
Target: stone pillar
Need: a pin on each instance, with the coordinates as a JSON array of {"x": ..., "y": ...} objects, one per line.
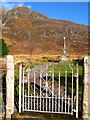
[
  {"x": 86, "y": 92},
  {"x": 10, "y": 87}
]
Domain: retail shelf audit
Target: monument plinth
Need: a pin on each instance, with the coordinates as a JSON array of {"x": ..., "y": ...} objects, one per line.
[{"x": 64, "y": 56}]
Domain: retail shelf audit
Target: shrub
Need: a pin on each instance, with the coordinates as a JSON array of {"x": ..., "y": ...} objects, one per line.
[{"x": 3, "y": 48}]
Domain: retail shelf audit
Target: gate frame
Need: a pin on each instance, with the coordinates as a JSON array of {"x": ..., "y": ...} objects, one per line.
[{"x": 21, "y": 71}]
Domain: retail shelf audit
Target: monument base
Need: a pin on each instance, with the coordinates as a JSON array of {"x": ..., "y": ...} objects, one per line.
[{"x": 64, "y": 58}]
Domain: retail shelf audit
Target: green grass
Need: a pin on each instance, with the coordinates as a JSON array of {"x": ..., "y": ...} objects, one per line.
[{"x": 63, "y": 66}]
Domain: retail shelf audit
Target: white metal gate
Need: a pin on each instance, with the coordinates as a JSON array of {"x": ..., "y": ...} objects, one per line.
[{"x": 39, "y": 91}]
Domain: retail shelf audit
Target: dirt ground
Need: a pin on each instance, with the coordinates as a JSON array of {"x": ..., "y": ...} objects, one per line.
[{"x": 42, "y": 116}]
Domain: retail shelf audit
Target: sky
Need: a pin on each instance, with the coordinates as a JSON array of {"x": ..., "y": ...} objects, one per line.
[{"x": 74, "y": 11}]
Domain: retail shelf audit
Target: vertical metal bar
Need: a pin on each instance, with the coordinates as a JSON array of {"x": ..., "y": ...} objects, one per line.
[
  {"x": 25, "y": 101},
  {"x": 59, "y": 92},
  {"x": 34, "y": 87},
  {"x": 68, "y": 103},
  {"x": 65, "y": 89},
  {"x": 31, "y": 102},
  {"x": 55, "y": 103},
  {"x": 52, "y": 87},
  {"x": 62, "y": 104},
  {"x": 28, "y": 88},
  {"x": 23, "y": 89},
  {"x": 46, "y": 86},
  {"x": 72, "y": 90},
  {"x": 43, "y": 103},
  {"x": 20, "y": 79},
  {"x": 37, "y": 102},
  {"x": 49, "y": 103},
  {"x": 77, "y": 85},
  {"x": 40, "y": 88}
]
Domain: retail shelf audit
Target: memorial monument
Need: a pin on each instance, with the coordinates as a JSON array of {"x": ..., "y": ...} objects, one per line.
[{"x": 64, "y": 56}]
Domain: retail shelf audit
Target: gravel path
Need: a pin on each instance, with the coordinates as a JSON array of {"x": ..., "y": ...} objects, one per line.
[
  {"x": 37, "y": 69},
  {"x": 43, "y": 68}
]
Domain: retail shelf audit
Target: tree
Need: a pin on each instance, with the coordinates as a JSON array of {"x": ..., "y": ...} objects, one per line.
[{"x": 3, "y": 48}]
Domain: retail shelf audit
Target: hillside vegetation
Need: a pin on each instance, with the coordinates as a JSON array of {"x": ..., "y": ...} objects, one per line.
[{"x": 35, "y": 33}]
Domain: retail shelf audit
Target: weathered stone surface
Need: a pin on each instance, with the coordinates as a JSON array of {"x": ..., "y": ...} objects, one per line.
[
  {"x": 10, "y": 87},
  {"x": 86, "y": 94}
]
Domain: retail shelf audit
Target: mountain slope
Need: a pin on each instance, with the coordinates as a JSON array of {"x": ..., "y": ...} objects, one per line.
[{"x": 36, "y": 33}]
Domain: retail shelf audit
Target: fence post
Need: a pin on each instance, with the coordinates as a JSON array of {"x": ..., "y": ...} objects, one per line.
[
  {"x": 86, "y": 93},
  {"x": 10, "y": 87}
]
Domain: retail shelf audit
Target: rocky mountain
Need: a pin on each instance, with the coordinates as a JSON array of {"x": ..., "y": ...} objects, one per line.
[{"x": 30, "y": 32}]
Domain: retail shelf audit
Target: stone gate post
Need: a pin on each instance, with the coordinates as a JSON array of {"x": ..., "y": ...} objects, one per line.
[
  {"x": 86, "y": 92},
  {"x": 10, "y": 87}
]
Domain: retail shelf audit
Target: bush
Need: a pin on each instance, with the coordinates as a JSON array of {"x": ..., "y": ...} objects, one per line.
[{"x": 3, "y": 48}]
